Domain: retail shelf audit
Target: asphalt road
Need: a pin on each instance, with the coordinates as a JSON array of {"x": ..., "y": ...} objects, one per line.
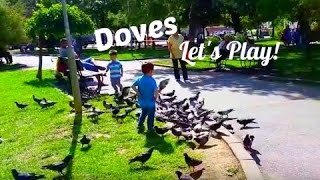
[{"x": 287, "y": 133}]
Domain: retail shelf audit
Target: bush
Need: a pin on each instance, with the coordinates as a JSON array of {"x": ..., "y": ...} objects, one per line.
[
  {"x": 215, "y": 40},
  {"x": 240, "y": 37}
]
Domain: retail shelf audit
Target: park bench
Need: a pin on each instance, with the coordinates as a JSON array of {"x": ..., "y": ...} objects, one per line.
[{"x": 84, "y": 76}]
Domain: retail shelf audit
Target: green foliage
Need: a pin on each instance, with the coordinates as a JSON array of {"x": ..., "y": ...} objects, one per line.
[
  {"x": 11, "y": 26},
  {"x": 47, "y": 21},
  {"x": 214, "y": 42},
  {"x": 240, "y": 37}
]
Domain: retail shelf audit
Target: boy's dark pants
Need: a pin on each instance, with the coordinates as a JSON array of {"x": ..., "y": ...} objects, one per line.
[
  {"x": 115, "y": 83},
  {"x": 147, "y": 111},
  {"x": 183, "y": 65}
]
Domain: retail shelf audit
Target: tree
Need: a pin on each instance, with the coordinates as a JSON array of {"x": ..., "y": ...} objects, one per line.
[
  {"x": 47, "y": 22},
  {"x": 11, "y": 26}
]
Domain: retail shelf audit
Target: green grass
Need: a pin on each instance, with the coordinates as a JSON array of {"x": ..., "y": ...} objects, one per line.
[
  {"x": 202, "y": 64},
  {"x": 127, "y": 55},
  {"x": 269, "y": 42},
  {"x": 292, "y": 63},
  {"x": 35, "y": 137}
]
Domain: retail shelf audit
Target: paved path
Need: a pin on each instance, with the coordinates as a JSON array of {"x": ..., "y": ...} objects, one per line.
[{"x": 288, "y": 136}]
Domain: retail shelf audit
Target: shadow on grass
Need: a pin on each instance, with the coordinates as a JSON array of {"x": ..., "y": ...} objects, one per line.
[
  {"x": 190, "y": 144},
  {"x": 142, "y": 168},
  {"x": 11, "y": 67},
  {"x": 75, "y": 135},
  {"x": 160, "y": 144},
  {"x": 47, "y": 82}
]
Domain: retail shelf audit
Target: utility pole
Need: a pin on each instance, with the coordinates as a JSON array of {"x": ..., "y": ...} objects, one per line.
[{"x": 72, "y": 63}]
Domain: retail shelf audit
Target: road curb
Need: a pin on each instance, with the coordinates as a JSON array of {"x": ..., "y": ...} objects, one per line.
[{"x": 248, "y": 164}]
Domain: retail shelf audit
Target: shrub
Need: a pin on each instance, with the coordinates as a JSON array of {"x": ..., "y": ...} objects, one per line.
[{"x": 215, "y": 40}]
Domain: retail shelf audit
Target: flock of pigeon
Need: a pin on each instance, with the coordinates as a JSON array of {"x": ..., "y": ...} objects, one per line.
[{"x": 185, "y": 118}]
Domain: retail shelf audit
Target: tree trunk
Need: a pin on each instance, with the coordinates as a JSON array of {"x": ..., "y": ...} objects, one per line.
[
  {"x": 236, "y": 23},
  {"x": 39, "y": 73},
  {"x": 273, "y": 29}
]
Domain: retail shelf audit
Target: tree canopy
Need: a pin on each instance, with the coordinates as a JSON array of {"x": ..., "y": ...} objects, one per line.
[
  {"x": 11, "y": 26},
  {"x": 46, "y": 21}
]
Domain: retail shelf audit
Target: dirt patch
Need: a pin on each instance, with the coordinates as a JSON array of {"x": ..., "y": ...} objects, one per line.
[
  {"x": 219, "y": 162},
  {"x": 100, "y": 135}
]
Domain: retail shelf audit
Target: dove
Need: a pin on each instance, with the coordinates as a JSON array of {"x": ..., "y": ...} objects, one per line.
[
  {"x": 182, "y": 176},
  {"x": 228, "y": 126},
  {"x": 143, "y": 158},
  {"x": 202, "y": 139},
  {"x": 85, "y": 141},
  {"x": 37, "y": 100},
  {"x": 195, "y": 98},
  {"x": 226, "y": 112},
  {"x": 25, "y": 175},
  {"x": 106, "y": 105},
  {"x": 169, "y": 99},
  {"x": 191, "y": 161},
  {"x": 21, "y": 105},
  {"x": 170, "y": 94},
  {"x": 114, "y": 109},
  {"x": 45, "y": 103},
  {"x": 177, "y": 132},
  {"x": 163, "y": 84},
  {"x": 247, "y": 141},
  {"x": 86, "y": 105},
  {"x": 1, "y": 140},
  {"x": 179, "y": 102},
  {"x": 59, "y": 166},
  {"x": 161, "y": 131},
  {"x": 245, "y": 122}
]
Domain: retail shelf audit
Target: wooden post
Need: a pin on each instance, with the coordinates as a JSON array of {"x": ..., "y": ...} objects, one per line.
[{"x": 72, "y": 64}]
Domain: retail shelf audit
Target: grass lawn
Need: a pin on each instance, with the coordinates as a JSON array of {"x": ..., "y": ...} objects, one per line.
[
  {"x": 201, "y": 64},
  {"x": 127, "y": 55},
  {"x": 34, "y": 137},
  {"x": 292, "y": 63}
]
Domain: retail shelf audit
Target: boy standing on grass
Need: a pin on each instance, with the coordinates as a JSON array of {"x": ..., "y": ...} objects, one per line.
[
  {"x": 147, "y": 90},
  {"x": 116, "y": 71}
]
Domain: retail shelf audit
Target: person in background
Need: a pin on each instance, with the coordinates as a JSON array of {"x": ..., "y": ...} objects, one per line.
[
  {"x": 87, "y": 63},
  {"x": 147, "y": 91},
  {"x": 224, "y": 53},
  {"x": 116, "y": 71},
  {"x": 174, "y": 41}
]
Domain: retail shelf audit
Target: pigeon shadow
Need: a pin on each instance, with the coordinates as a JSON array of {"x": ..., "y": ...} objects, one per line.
[
  {"x": 197, "y": 174},
  {"x": 248, "y": 127},
  {"x": 143, "y": 168},
  {"x": 207, "y": 146},
  {"x": 86, "y": 148},
  {"x": 76, "y": 129},
  {"x": 219, "y": 135},
  {"x": 160, "y": 144},
  {"x": 254, "y": 154},
  {"x": 190, "y": 144}
]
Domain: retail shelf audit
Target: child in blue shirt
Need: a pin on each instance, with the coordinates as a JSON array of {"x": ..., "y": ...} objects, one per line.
[
  {"x": 116, "y": 71},
  {"x": 147, "y": 90}
]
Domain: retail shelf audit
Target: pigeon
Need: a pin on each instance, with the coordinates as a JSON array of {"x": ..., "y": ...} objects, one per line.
[
  {"x": 59, "y": 166},
  {"x": 45, "y": 103},
  {"x": 195, "y": 98},
  {"x": 187, "y": 136},
  {"x": 179, "y": 102},
  {"x": 185, "y": 106},
  {"x": 191, "y": 161},
  {"x": 143, "y": 158},
  {"x": 20, "y": 105},
  {"x": 161, "y": 131},
  {"x": 121, "y": 116},
  {"x": 106, "y": 105},
  {"x": 216, "y": 126},
  {"x": 114, "y": 109},
  {"x": 163, "y": 84},
  {"x": 176, "y": 132},
  {"x": 202, "y": 139},
  {"x": 71, "y": 104},
  {"x": 182, "y": 176},
  {"x": 245, "y": 122},
  {"x": 169, "y": 99},
  {"x": 85, "y": 141},
  {"x": 247, "y": 141},
  {"x": 25, "y": 175},
  {"x": 228, "y": 126},
  {"x": 125, "y": 91},
  {"x": 170, "y": 94},
  {"x": 94, "y": 113},
  {"x": 129, "y": 102},
  {"x": 1, "y": 140},
  {"x": 86, "y": 105},
  {"x": 37, "y": 100},
  {"x": 226, "y": 112}
]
